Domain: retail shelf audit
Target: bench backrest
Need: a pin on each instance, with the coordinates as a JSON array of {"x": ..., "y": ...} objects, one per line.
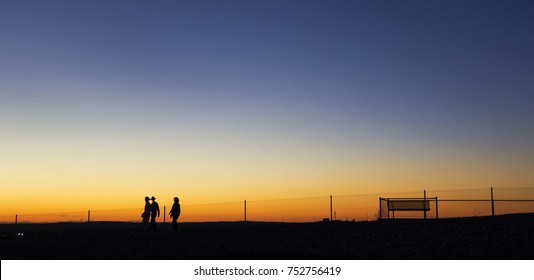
[{"x": 408, "y": 205}]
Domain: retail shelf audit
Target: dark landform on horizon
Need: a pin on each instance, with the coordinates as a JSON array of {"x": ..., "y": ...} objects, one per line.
[{"x": 499, "y": 237}]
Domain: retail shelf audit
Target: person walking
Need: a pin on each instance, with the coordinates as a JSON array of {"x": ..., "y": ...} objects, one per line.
[
  {"x": 154, "y": 211},
  {"x": 175, "y": 213},
  {"x": 146, "y": 213}
]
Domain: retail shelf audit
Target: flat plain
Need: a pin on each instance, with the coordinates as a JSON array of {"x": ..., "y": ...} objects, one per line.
[{"x": 500, "y": 237}]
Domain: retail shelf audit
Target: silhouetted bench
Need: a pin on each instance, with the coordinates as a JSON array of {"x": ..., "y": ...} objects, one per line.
[{"x": 406, "y": 204}]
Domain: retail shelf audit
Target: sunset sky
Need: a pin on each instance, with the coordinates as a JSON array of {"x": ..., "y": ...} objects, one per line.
[{"x": 105, "y": 102}]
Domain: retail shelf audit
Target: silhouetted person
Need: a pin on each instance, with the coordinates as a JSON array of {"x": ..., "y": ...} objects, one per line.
[
  {"x": 154, "y": 210},
  {"x": 175, "y": 213},
  {"x": 146, "y": 214}
]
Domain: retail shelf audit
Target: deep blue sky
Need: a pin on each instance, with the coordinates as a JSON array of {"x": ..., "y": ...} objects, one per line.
[
  {"x": 340, "y": 55},
  {"x": 395, "y": 79}
]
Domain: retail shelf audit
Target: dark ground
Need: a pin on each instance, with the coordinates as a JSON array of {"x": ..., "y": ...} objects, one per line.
[{"x": 500, "y": 237}]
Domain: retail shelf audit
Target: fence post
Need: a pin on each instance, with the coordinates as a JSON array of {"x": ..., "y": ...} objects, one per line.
[
  {"x": 245, "y": 210},
  {"x": 380, "y": 208},
  {"x": 331, "y": 208},
  {"x": 437, "y": 217},
  {"x": 492, "y": 203},
  {"x": 424, "y": 203},
  {"x": 387, "y": 201}
]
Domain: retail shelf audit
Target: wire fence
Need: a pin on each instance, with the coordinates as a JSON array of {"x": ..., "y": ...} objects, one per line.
[
  {"x": 357, "y": 207},
  {"x": 467, "y": 203}
]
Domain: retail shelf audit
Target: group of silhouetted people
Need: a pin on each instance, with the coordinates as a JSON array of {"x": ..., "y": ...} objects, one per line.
[{"x": 152, "y": 211}]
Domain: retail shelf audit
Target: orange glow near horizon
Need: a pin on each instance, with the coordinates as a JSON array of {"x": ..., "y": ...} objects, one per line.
[
  {"x": 345, "y": 208},
  {"x": 67, "y": 183},
  {"x": 272, "y": 172}
]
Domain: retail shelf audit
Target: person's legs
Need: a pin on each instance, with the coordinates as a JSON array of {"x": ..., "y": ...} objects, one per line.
[
  {"x": 153, "y": 222},
  {"x": 174, "y": 223},
  {"x": 145, "y": 221}
]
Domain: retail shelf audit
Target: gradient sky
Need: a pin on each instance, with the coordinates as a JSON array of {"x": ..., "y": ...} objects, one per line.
[{"x": 104, "y": 102}]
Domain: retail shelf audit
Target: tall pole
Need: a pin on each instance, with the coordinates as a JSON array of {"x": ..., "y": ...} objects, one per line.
[
  {"x": 387, "y": 201},
  {"x": 88, "y": 216},
  {"x": 331, "y": 208},
  {"x": 380, "y": 208},
  {"x": 492, "y": 203},
  {"x": 424, "y": 203},
  {"x": 437, "y": 217},
  {"x": 245, "y": 210},
  {"x": 164, "y": 211}
]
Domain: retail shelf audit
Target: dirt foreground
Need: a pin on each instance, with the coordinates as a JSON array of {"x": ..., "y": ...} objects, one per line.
[{"x": 500, "y": 237}]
